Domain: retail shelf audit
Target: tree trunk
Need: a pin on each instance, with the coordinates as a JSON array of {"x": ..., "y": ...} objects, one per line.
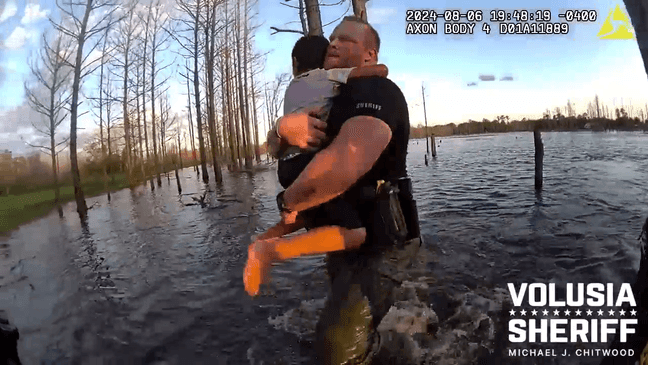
[
  {"x": 251, "y": 146},
  {"x": 127, "y": 131},
  {"x": 360, "y": 9},
  {"x": 208, "y": 145},
  {"x": 57, "y": 197},
  {"x": 210, "y": 30},
  {"x": 314, "y": 18},
  {"x": 302, "y": 17},
  {"x": 228, "y": 94},
  {"x": 179, "y": 155},
  {"x": 108, "y": 127},
  {"x": 82, "y": 208},
  {"x": 139, "y": 125},
  {"x": 227, "y": 140},
  {"x": 268, "y": 117},
  {"x": 256, "y": 123},
  {"x": 230, "y": 107},
  {"x": 245, "y": 126},
  {"x": 101, "y": 136},
  {"x": 156, "y": 160},
  {"x": 163, "y": 125},
  {"x": 201, "y": 141},
  {"x": 191, "y": 132},
  {"x": 146, "y": 34},
  {"x": 237, "y": 126}
]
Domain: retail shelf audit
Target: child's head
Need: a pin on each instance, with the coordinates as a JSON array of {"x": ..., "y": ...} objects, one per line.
[{"x": 309, "y": 53}]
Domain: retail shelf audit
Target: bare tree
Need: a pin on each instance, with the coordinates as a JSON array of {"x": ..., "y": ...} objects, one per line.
[
  {"x": 269, "y": 119},
  {"x": 570, "y": 109},
  {"x": 313, "y": 17},
  {"x": 591, "y": 110},
  {"x": 210, "y": 56},
  {"x": 360, "y": 9},
  {"x": 146, "y": 21},
  {"x": 274, "y": 100},
  {"x": 228, "y": 136},
  {"x": 159, "y": 22},
  {"x": 226, "y": 88},
  {"x": 191, "y": 132},
  {"x": 51, "y": 74},
  {"x": 597, "y": 106},
  {"x": 179, "y": 157},
  {"x": 192, "y": 46},
  {"x": 243, "y": 107},
  {"x": 165, "y": 124},
  {"x": 253, "y": 64},
  {"x": 254, "y": 115},
  {"x": 109, "y": 101},
  {"x": 140, "y": 69},
  {"x": 277, "y": 94},
  {"x": 80, "y": 31},
  {"x": 127, "y": 35},
  {"x": 104, "y": 156}
]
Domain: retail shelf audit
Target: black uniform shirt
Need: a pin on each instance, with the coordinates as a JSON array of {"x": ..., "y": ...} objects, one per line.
[{"x": 380, "y": 98}]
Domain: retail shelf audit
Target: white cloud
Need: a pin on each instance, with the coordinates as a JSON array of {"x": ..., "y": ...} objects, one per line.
[
  {"x": 10, "y": 9},
  {"x": 377, "y": 16},
  {"x": 18, "y": 38},
  {"x": 449, "y": 100},
  {"x": 33, "y": 13}
]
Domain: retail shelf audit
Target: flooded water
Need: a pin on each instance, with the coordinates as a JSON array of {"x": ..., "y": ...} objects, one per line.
[{"x": 152, "y": 280}]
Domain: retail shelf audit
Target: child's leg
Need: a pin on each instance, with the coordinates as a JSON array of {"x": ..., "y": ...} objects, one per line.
[
  {"x": 280, "y": 229},
  {"x": 317, "y": 241},
  {"x": 262, "y": 254}
]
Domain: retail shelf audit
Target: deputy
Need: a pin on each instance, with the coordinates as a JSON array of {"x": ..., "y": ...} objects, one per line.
[{"x": 365, "y": 162}]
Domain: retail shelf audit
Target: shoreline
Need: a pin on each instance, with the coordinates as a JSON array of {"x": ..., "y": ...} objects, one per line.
[
  {"x": 472, "y": 135},
  {"x": 30, "y": 212}
]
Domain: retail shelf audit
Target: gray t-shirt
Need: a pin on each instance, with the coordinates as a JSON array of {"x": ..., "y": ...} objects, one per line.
[{"x": 313, "y": 88}]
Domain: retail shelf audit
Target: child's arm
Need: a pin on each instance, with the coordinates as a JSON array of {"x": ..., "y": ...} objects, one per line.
[
  {"x": 281, "y": 229},
  {"x": 366, "y": 71}
]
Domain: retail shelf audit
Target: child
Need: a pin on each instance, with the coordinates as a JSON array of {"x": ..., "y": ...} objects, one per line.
[{"x": 311, "y": 86}]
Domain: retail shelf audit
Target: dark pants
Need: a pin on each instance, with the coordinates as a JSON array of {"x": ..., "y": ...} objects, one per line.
[{"x": 360, "y": 294}]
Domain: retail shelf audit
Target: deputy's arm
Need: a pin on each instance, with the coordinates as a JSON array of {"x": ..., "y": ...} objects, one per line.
[{"x": 355, "y": 150}]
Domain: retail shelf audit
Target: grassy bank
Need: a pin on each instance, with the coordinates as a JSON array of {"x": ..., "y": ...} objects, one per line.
[{"x": 19, "y": 209}]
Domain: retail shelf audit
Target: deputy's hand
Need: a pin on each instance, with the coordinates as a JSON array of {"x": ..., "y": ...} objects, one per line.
[
  {"x": 289, "y": 218},
  {"x": 303, "y": 129}
]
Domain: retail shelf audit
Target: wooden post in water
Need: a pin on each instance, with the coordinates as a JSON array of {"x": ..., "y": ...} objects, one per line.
[
  {"x": 433, "y": 145},
  {"x": 177, "y": 176},
  {"x": 539, "y": 154},
  {"x": 427, "y": 143}
]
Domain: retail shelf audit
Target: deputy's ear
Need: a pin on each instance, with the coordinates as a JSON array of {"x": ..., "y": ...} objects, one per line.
[{"x": 372, "y": 57}]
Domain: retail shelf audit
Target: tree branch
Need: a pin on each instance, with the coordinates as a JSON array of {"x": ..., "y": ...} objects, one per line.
[{"x": 277, "y": 30}]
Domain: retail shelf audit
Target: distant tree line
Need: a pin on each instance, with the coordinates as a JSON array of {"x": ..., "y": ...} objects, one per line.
[{"x": 597, "y": 117}]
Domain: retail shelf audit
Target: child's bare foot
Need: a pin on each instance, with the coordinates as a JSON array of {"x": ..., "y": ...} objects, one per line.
[{"x": 258, "y": 265}]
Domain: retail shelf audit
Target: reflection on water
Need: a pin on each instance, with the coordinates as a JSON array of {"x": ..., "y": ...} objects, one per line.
[{"x": 151, "y": 279}]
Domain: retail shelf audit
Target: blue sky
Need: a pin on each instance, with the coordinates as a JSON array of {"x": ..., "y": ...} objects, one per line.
[{"x": 547, "y": 70}]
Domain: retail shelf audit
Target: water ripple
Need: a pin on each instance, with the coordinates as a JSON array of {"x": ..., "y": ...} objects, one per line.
[{"x": 155, "y": 280}]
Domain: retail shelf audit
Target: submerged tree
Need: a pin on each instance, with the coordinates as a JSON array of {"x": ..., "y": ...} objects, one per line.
[
  {"x": 78, "y": 28},
  {"x": 192, "y": 45},
  {"x": 127, "y": 35},
  {"x": 51, "y": 75}
]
